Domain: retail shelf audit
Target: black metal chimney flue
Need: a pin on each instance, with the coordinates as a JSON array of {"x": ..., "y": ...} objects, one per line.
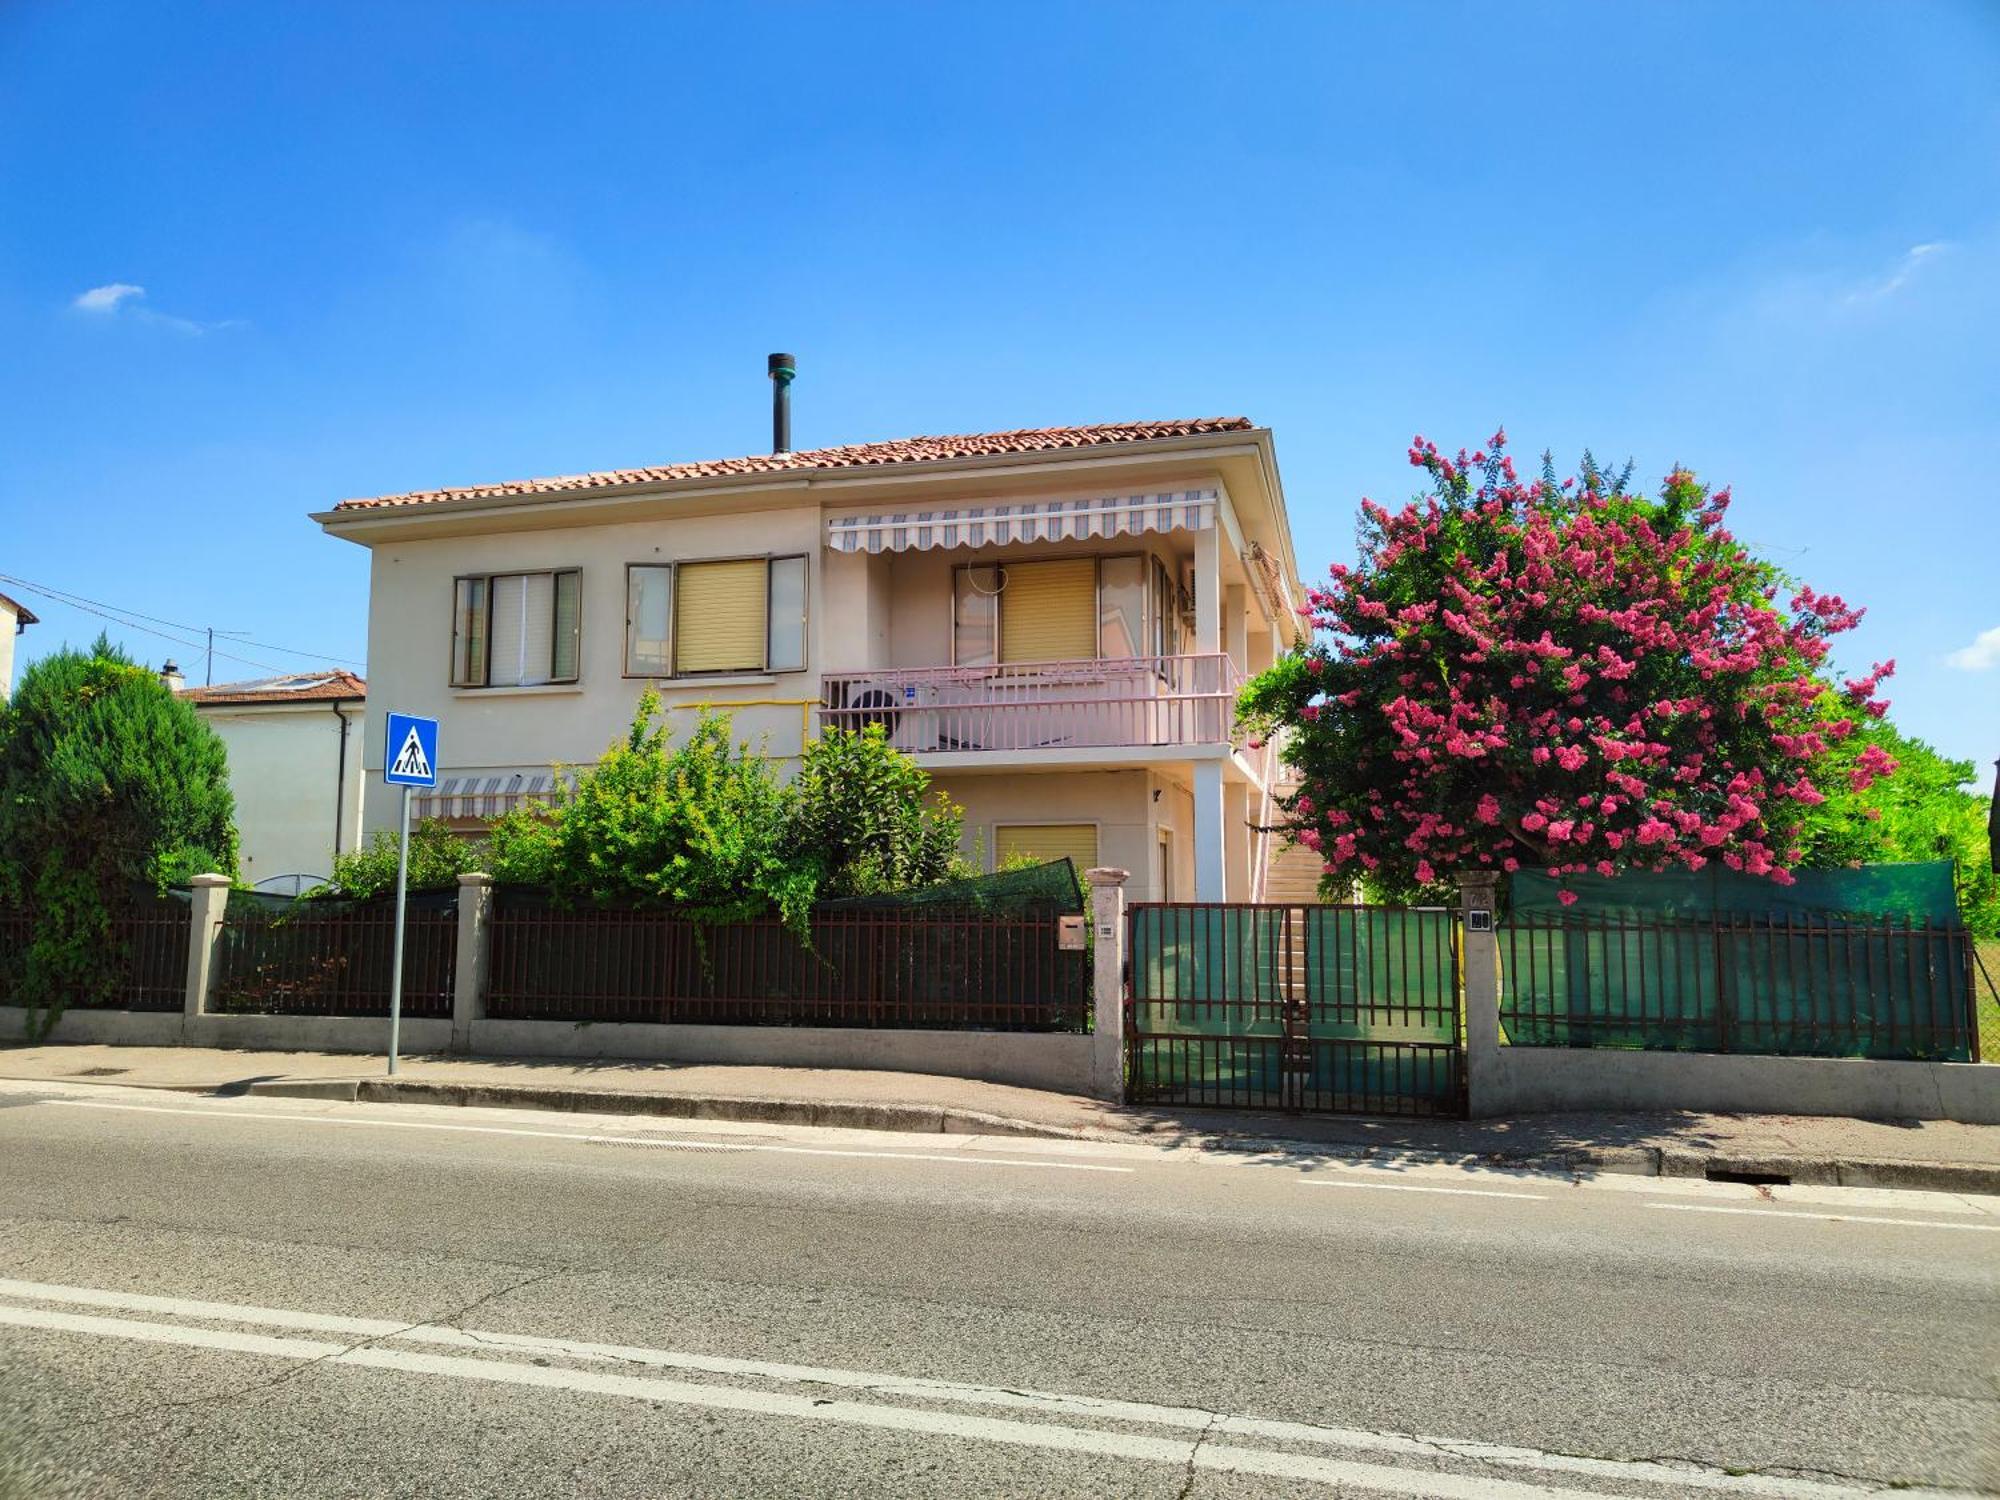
[{"x": 784, "y": 370}]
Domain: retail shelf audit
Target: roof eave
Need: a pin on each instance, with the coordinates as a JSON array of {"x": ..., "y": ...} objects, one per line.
[{"x": 1084, "y": 456}]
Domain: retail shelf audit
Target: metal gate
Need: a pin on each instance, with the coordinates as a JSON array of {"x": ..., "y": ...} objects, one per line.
[{"x": 1342, "y": 1009}]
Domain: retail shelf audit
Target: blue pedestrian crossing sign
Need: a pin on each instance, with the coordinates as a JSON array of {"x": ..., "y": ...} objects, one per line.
[{"x": 410, "y": 755}]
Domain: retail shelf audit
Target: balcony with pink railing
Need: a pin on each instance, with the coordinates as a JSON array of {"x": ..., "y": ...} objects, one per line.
[{"x": 1126, "y": 702}]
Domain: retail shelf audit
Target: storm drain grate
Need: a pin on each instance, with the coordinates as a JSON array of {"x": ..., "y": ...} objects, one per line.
[{"x": 1749, "y": 1179}]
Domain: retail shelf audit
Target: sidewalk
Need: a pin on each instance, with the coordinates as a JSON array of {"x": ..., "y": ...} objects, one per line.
[{"x": 1938, "y": 1154}]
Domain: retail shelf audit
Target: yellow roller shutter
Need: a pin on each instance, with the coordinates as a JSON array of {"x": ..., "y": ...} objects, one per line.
[
  {"x": 1048, "y": 611},
  {"x": 719, "y": 616},
  {"x": 1046, "y": 841}
]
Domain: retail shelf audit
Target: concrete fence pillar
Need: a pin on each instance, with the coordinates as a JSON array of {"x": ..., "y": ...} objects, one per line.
[
  {"x": 205, "y": 911},
  {"x": 473, "y": 966},
  {"x": 1107, "y": 1053},
  {"x": 1479, "y": 969}
]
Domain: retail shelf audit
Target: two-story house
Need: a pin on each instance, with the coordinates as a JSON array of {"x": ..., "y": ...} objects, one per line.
[{"x": 1055, "y": 623}]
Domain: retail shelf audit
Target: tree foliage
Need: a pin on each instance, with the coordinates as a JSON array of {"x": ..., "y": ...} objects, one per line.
[
  {"x": 437, "y": 858},
  {"x": 708, "y": 825},
  {"x": 1563, "y": 675},
  {"x": 865, "y": 821},
  {"x": 1926, "y": 810},
  {"x": 700, "y": 826},
  {"x": 108, "y": 785}
]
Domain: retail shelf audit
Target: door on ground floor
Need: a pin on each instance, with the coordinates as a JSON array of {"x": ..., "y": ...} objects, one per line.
[{"x": 1339, "y": 1009}]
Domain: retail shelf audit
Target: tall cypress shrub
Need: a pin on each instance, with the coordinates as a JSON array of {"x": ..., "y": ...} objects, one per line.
[{"x": 109, "y": 785}]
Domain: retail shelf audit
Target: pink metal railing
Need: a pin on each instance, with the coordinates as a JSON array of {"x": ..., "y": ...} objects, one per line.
[{"x": 1127, "y": 701}]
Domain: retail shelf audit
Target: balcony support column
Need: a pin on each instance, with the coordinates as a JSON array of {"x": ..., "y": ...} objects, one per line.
[
  {"x": 1210, "y": 861},
  {"x": 1208, "y": 592},
  {"x": 1235, "y": 617}
]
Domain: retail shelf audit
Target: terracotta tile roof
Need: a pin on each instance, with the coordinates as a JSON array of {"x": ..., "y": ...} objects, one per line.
[
  {"x": 299, "y": 687},
  {"x": 853, "y": 456}
]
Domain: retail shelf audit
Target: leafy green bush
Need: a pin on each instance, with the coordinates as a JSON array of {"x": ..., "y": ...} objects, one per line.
[
  {"x": 108, "y": 784},
  {"x": 1924, "y": 810},
  {"x": 700, "y": 826},
  {"x": 861, "y": 821},
  {"x": 437, "y": 858}
]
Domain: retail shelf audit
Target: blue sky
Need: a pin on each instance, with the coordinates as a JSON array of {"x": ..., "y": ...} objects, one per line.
[{"x": 392, "y": 246}]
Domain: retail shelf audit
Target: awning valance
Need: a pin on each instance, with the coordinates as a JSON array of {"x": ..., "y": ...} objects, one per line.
[
  {"x": 998, "y": 525},
  {"x": 481, "y": 796}
]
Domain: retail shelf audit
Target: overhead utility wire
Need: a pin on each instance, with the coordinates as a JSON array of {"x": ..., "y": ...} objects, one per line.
[
  {"x": 98, "y": 606},
  {"x": 152, "y": 630}
]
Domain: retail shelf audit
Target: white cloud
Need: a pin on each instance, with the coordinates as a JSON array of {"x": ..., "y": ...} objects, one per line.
[
  {"x": 111, "y": 300},
  {"x": 105, "y": 299},
  {"x": 1983, "y": 655},
  {"x": 1899, "y": 276}
]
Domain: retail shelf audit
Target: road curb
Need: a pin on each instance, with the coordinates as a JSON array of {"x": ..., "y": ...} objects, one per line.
[
  {"x": 1980, "y": 1178},
  {"x": 925, "y": 1119}
]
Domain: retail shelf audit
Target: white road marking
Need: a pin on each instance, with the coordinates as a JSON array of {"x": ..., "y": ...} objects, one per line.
[
  {"x": 1177, "y": 1452},
  {"x": 1795, "y": 1193},
  {"x": 1411, "y": 1187},
  {"x": 591, "y": 1138},
  {"x": 1188, "y": 1419},
  {"x": 1786, "y": 1213}
]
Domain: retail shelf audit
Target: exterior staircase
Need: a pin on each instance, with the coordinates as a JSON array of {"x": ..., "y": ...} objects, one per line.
[{"x": 1291, "y": 874}]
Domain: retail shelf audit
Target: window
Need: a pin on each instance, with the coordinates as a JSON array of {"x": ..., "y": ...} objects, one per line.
[
  {"x": 515, "y": 629},
  {"x": 1121, "y": 607},
  {"x": 1042, "y": 842},
  {"x": 1048, "y": 611},
  {"x": 647, "y": 595},
  {"x": 1070, "y": 609},
  {"x": 976, "y": 618},
  {"x": 729, "y": 615},
  {"x": 1166, "y": 612}
]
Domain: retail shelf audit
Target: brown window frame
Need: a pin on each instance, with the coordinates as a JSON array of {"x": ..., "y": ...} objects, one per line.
[
  {"x": 487, "y": 661},
  {"x": 673, "y": 567},
  {"x": 1155, "y": 604}
]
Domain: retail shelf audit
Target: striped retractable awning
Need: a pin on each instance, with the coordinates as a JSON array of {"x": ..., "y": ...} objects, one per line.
[
  {"x": 1023, "y": 521},
  {"x": 482, "y": 796}
]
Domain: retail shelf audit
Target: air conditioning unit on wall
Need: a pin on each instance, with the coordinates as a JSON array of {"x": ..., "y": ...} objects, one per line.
[{"x": 907, "y": 711}]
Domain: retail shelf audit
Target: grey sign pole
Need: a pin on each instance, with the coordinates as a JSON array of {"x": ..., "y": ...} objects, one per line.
[{"x": 402, "y": 899}]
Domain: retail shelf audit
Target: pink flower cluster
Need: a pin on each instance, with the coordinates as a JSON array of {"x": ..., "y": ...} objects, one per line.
[{"x": 1561, "y": 676}]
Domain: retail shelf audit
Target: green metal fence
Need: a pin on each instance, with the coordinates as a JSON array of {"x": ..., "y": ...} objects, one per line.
[
  {"x": 1350, "y": 1009},
  {"x": 1814, "y": 986}
]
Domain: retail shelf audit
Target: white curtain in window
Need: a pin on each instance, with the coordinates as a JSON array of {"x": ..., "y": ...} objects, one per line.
[{"x": 523, "y": 619}]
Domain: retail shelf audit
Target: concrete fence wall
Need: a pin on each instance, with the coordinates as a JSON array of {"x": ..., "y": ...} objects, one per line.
[
  {"x": 1506, "y": 1080},
  {"x": 1500, "y": 1080},
  {"x": 1063, "y": 1062}
]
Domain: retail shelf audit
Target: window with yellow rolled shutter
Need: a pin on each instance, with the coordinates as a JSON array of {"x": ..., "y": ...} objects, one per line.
[
  {"x": 1048, "y": 611},
  {"x": 721, "y": 615},
  {"x": 1043, "y": 842}
]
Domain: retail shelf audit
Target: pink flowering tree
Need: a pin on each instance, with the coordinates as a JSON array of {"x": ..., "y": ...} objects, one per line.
[{"x": 1560, "y": 675}]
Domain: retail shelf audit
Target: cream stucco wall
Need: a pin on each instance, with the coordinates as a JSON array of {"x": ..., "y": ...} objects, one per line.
[
  {"x": 865, "y": 612},
  {"x": 488, "y": 730},
  {"x": 284, "y": 771},
  {"x": 1130, "y": 809},
  {"x": 10, "y": 626}
]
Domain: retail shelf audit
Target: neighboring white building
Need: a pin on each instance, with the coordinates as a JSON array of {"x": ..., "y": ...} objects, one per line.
[
  {"x": 14, "y": 618},
  {"x": 294, "y": 766},
  {"x": 1054, "y": 622}
]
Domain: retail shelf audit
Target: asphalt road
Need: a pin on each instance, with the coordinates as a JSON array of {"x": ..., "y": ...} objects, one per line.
[{"x": 218, "y": 1298}]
